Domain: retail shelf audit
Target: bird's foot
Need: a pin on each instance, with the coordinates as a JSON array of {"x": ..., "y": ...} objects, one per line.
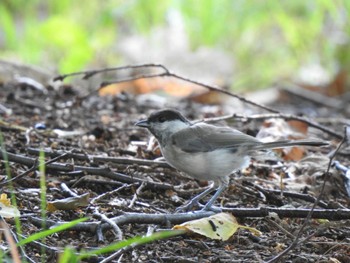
[
  {"x": 193, "y": 203},
  {"x": 212, "y": 208},
  {"x": 188, "y": 207}
]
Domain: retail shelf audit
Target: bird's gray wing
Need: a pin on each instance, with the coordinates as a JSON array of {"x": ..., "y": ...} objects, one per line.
[{"x": 204, "y": 138}]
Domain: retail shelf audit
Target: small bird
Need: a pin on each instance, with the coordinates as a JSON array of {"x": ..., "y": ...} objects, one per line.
[{"x": 206, "y": 152}]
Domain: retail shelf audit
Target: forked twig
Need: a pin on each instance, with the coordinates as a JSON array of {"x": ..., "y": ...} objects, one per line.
[{"x": 164, "y": 73}]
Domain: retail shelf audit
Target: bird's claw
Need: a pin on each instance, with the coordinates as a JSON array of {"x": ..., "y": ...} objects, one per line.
[
  {"x": 187, "y": 207},
  {"x": 193, "y": 203}
]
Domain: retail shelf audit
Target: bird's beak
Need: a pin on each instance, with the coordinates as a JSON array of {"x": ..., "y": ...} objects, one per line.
[{"x": 142, "y": 123}]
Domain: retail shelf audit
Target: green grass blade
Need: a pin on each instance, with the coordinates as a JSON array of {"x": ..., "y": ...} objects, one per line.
[
  {"x": 68, "y": 256},
  {"x": 132, "y": 241},
  {"x": 51, "y": 231}
]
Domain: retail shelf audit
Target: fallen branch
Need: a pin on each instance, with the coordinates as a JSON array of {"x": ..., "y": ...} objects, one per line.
[
  {"x": 99, "y": 159},
  {"x": 104, "y": 172},
  {"x": 166, "y": 219}
]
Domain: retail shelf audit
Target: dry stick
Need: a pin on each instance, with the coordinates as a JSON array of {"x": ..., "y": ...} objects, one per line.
[
  {"x": 330, "y": 214},
  {"x": 315, "y": 97},
  {"x": 32, "y": 169},
  {"x": 137, "y": 193},
  {"x": 104, "y": 172},
  {"x": 309, "y": 216},
  {"x": 279, "y": 116},
  {"x": 96, "y": 158},
  {"x": 66, "y": 189},
  {"x": 10, "y": 241},
  {"x": 118, "y": 232},
  {"x": 167, "y": 73},
  {"x": 142, "y": 218},
  {"x": 89, "y": 73},
  {"x": 107, "y": 194},
  {"x": 278, "y": 226},
  {"x": 304, "y": 197},
  {"x": 119, "y": 253},
  {"x": 210, "y": 87},
  {"x": 36, "y": 244}
]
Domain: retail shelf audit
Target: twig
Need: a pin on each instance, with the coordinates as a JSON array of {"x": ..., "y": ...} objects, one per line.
[
  {"x": 137, "y": 193},
  {"x": 104, "y": 172},
  {"x": 39, "y": 245},
  {"x": 32, "y": 169},
  {"x": 330, "y": 214},
  {"x": 278, "y": 226},
  {"x": 96, "y": 158},
  {"x": 118, "y": 232},
  {"x": 120, "y": 252},
  {"x": 278, "y": 116},
  {"x": 313, "y": 210},
  {"x": 315, "y": 97},
  {"x": 104, "y": 195},
  {"x": 304, "y": 197},
  {"x": 67, "y": 190},
  {"x": 142, "y": 218},
  {"x": 89, "y": 73},
  {"x": 11, "y": 241},
  {"x": 164, "y": 73}
]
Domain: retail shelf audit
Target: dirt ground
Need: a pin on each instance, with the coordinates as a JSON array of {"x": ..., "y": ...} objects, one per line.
[{"x": 95, "y": 159}]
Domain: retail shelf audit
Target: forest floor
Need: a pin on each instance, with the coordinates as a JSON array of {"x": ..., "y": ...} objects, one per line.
[{"x": 92, "y": 147}]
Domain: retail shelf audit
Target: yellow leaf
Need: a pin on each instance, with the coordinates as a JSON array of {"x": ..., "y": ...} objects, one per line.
[
  {"x": 6, "y": 209},
  {"x": 219, "y": 226},
  {"x": 4, "y": 200}
]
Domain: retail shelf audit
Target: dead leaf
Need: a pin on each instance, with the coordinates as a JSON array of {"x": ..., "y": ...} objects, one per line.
[
  {"x": 4, "y": 200},
  {"x": 69, "y": 203},
  {"x": 209, "y": 97},
  {"x": 308, "y": 171},
  {"x": 298, "y": 126},
  {"x": 219, "y": 226},
  {"x": 278, "y": 129},
  {"x": 142, "y": 86},
  {"x": 6, "y": 209},
  {"x": 294, "y": 153},
  {"x": 338, "y": 85},
  {"x": 173, "y": 87}
]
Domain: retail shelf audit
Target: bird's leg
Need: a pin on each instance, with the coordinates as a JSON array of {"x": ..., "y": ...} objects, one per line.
[
  {"x": 194, "y": 201},
  {"x": 208, "y": 205},
  {"x": 223, "y": 183}
]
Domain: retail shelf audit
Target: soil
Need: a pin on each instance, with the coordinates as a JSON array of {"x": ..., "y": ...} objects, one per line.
[{"x": 105, "y": 127}]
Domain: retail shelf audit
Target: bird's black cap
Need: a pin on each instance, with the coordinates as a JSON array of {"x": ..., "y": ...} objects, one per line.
[{"x": 162, "y": 116}]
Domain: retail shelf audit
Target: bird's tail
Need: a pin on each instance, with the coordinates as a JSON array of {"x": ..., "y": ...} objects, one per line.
[{"x": 289, "y": 143}]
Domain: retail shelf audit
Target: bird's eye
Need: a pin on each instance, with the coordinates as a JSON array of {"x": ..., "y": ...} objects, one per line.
[{"x": 161, "y": 119}]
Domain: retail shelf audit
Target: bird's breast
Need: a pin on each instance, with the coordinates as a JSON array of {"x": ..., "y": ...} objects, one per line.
[{"x": 210, "y": 165}]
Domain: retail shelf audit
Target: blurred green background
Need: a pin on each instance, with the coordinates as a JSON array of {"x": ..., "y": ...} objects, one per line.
[{"x": 266, "y": 40}]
